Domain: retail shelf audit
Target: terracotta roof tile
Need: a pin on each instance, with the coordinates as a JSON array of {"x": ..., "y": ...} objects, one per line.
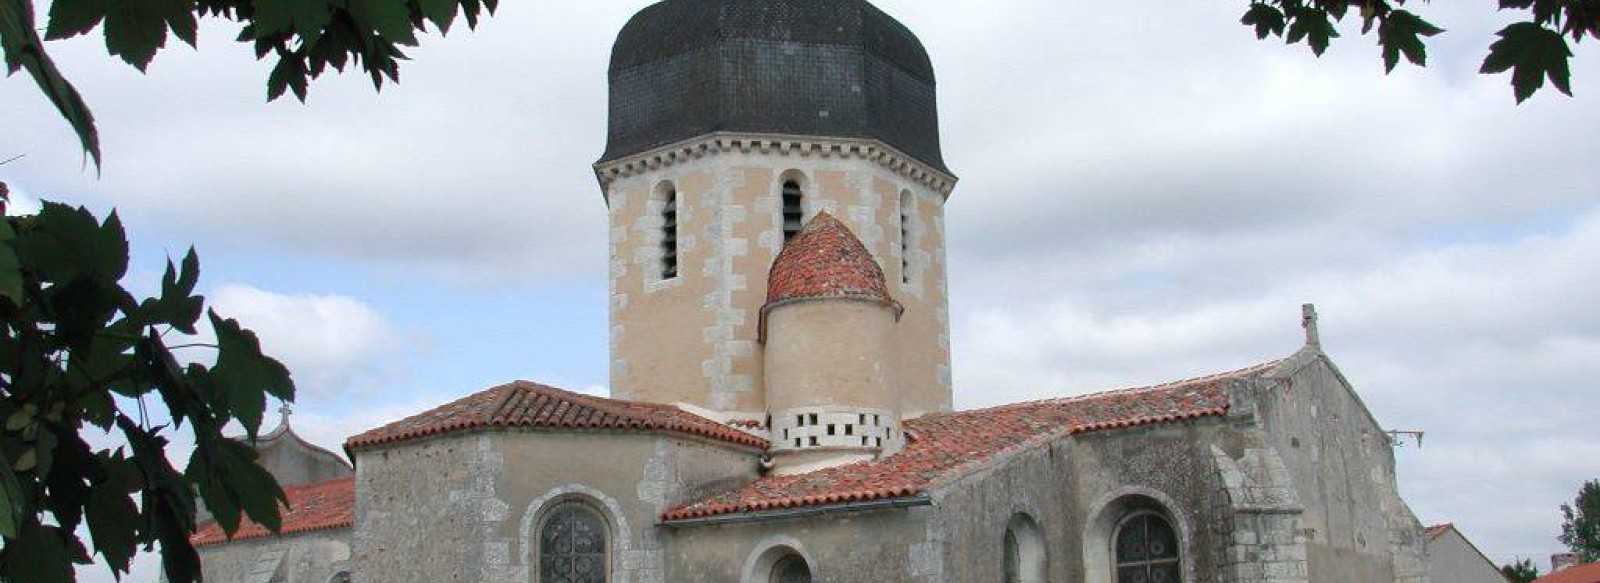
[
  {"x": 523, "y": 404},
  {"x": 312, "y": 507},
  {"x": 1437, "y": 530},
  {"x": 946, "y": 446},
  {"x": 1586, "y": 573},
  {"x": 825, "y": 260}
]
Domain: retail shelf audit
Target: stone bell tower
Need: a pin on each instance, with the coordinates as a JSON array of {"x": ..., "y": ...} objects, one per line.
[{"x": 733, "y": 123}]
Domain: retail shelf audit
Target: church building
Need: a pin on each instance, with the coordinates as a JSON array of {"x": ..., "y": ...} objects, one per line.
[{"x": 781, "y": 405}]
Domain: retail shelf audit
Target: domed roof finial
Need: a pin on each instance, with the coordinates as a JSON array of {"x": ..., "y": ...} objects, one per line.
[{"x": 826, "y": 260}]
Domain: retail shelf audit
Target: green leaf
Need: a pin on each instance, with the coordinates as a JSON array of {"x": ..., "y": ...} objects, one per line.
[
  {"x": 289, "y": 73},
  {"x": 111, "y": 513},
  {"x": 1532, "y": 53},
  {"x": 11, "y": 502},
  {"x": 390, "y": 19},
  {"x": 440, "y": 12},
  {"x": 67, "y": 242},
  {"x": 1266, "y": 19},
  {"x": 180, "y": 16},
  {"x": 70, "y": 18},
  {"x": 1399, "y": 34},
  {"x": 1314, "y": 27},
  {"x": 232, "y": 484},
  {"x": 135, "y": 30},
  {"x": 304, "y": 17},
  {"x": 244, "y": 375},
  {"x": 24, "y": 50},
  {"x": 177, "y": 306},
  {"x": 258, "y": 492},
  {"x": 39, "y": 554},
  {"x": 10, "y": 268}
]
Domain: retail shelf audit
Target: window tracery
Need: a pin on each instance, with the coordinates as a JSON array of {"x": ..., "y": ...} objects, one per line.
[
  {"x": 572, "y": 546},
  {"x": 1146, "y": 549}
]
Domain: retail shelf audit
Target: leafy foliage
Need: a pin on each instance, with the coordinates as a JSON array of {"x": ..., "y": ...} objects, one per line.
[
  {"x": 78, "y": 356},
  {"x": 1532, "y": 51},
  {"x": 305, "y": 37},
  {"x": 1521, "y": 571},
  {"x": 1580, "y": 525}
]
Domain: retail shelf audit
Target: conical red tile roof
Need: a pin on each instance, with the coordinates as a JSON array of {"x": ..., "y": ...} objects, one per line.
[{"x": 825, "y": 260}]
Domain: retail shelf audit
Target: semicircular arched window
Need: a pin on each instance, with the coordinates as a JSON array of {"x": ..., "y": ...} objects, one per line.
[
  {"x": 572, "y": 546},
  {"x": 791, "y": 569},
  {"x": 1147, "y": 550}
]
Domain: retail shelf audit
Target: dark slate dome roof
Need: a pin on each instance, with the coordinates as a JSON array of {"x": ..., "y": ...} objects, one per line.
[{"x": 842, "y": 68}]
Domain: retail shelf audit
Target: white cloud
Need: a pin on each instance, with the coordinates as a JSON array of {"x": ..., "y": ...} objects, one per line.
[
  {"x": 1148, "y": 193},
  {"x": 331, "y": 344}
]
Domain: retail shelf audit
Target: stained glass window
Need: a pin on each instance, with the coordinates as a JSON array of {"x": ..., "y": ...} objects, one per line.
[
  {"x": 1147, "y": 550},
  {"x": 791, "y": 569},
  {"x": 572, "y": 547}
]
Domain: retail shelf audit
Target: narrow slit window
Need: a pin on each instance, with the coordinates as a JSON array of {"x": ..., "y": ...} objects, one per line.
[
  {"x": 905, "y": 237},
  {"x": 793, "y": 211},
  {"x": 669, "y": 235}
]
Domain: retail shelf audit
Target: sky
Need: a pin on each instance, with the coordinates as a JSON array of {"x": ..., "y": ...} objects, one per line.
[{"x": 1147, "y": 194}]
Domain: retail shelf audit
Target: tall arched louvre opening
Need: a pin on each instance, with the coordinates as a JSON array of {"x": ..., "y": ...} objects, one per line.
[
  {"x": 669, "y": 235},
  {"x": 793, "y": 211}
]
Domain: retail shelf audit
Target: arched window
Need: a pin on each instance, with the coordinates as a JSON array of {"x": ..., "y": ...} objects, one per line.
[
  {"x": 572, "y": 546},
  {"x": 669, "y": 233},
  {"x": 791, "y": 569},
  {"x": 793, "y": 211},
  {"x": 1146, "y": 550},
  {"x": 340, "y": 577},
  {"x": 1023, "y": 551},
  {"x": 907, "y": 246}
]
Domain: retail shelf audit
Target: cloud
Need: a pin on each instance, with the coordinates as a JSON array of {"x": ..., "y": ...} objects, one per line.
[
  {"x": 1148, "y": 193},
  {"x": 333, "y": 345}
]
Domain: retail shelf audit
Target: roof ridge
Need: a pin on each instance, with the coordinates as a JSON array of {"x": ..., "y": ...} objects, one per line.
[
  {"x": 527, "y": 404},
  {"x": 1069, "y": 399}
]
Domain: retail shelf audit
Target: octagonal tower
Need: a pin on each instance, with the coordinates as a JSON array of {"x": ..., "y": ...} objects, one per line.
[{"x": 732, "y": 124}]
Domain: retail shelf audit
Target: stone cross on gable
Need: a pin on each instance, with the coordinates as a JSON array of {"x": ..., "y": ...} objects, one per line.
[
  {"x": 285, "y": 410},
  {"x": 1308, "y": 319}
]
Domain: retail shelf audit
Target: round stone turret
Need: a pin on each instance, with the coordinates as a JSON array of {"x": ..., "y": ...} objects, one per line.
[
  {"x": 827, "y": 327},
  {"x": 682, "y": 69}
]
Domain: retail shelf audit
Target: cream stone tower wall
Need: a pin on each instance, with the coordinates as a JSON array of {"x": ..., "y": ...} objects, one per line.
[{"x": 693, "y": 338}]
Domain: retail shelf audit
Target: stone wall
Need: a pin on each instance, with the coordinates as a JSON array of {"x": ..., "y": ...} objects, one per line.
[
  {"x": 312, "y": 557},
  {"x": 844, "y": 547},
  {"x": 466, "y": 507},
  {"x": 1454, "y": 559},
  {"x": 693, "y": 338},
  {"x": 1355, "y": 526}
]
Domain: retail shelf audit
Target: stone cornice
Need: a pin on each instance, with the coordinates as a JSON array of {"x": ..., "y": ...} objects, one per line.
[{"x": 784, "y": 145}]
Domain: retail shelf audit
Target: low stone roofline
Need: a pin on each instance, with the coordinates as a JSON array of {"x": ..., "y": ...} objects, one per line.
[
  {"x": 529, "y": 406},
  {"x": 318, "y": 507},
  {"x": 824, "y": 147},
  {"x": 946, "y": 447}
]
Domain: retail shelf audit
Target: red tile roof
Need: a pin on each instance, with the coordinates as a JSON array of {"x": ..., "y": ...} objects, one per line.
[
  {"x": 1587, "y": 573},
  {"x": 523, "y": 404},
  {"x": 946, "y": 446},
  {"x": 825, "y": 260},
  {"x": 1437, "y": 530},
  {"x": 312, "y": 507}
]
